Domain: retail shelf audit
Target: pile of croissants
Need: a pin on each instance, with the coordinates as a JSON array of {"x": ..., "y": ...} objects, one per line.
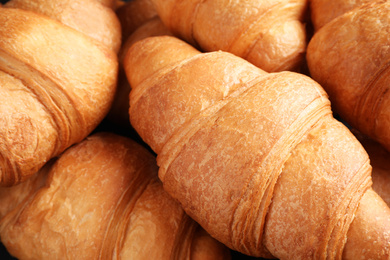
[{"x": 195, "y": 129}]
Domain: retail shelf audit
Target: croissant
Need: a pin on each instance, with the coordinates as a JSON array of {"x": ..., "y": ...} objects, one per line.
[
  {"x": 349, "y": 58},
  {"x": 57, "y": 86},
  {"x": 269, "y": 34},
  {"x": 101, "y": 200},
  {"x": 256, "y": 158},
  {"x": 323, "y": 11}
]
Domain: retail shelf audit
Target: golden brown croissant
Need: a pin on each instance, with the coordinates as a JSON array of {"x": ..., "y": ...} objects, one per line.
[
  {"x": 101, "y": 200},
  {"x": 349, "y": 57},
  {"x": 57, "y": 84},
  {"x": 323, "y": 11},
  {"x": 256, "y": 158},
  {"x": 88, "y": 16},
  {"x": 270, "y": 34}
]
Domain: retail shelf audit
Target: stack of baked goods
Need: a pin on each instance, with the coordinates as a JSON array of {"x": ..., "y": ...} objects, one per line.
[{"x": 167, "y": 129}]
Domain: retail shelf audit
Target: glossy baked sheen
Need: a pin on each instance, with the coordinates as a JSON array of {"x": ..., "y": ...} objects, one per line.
[{"x": 230, "y": 137}]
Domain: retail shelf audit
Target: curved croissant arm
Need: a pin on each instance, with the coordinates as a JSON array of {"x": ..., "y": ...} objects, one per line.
[
  {"x": 349, "y": 57},
  {"x": 256, "y": 158},
  {"x": 101, "y": 200},
  {"x": 119, "y": 112},
  {"x": 88, "y": 16},
  {"x": 56, "y": 86},
  {"x": 139, "y": 20},
  {"x": 324, "y": 11},
  {"x": 269, "y": 34}
]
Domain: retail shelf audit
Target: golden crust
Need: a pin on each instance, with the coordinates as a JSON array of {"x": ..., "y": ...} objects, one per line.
[
  {"x": 324, "y": 11},
  {"x": 349, "y": 57},
  {"x": 66, "y": 82},
  {"x": 100, "y": 200},
  {"x": 256, "y": 158},
  {"x": 269, "y": 34},
  {"x": 87, "y": 16}
]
